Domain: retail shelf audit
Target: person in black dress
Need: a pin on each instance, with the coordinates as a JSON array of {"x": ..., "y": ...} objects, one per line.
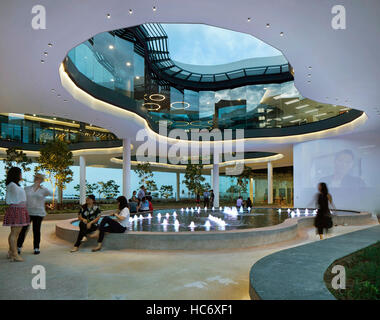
[{"x": 323, "y": 219}]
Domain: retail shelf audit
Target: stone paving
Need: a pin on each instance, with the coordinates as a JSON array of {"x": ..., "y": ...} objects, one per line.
[{"x": 133, "y": 274}]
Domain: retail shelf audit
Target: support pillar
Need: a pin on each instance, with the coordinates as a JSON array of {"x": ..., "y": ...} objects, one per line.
[
  {"x": 251, "y": 189},
  {"x": 215, "y": 179},
  {"x": 178, "y": 187},
  {"x": 82, "y": 180},
  {"x": 127, "y": 167},
  {"x": 270, "y": 183}
]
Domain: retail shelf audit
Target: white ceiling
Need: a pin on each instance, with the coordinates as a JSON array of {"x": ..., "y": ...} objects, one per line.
[{"x": 345, "y": 63}]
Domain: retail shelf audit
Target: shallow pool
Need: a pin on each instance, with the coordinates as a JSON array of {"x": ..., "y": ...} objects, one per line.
[{"x": 191, "y": 219}]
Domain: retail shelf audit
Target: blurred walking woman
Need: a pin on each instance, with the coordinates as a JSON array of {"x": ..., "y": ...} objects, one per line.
[
  {"x": 89, "y": 216},
  {"x": 323, "y": 218},
  {"x": 118, "y": 225},
  {"x": 35, "y": 204},
  {"x": 16, "y": 215}
]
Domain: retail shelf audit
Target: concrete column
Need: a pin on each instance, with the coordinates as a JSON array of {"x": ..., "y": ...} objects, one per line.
[
  {"x": 127, "y": 167},
  {"x": 251, "y": 189},
  {"x": 178, "y": 187},
  {"x": 215, "y": 179},
  {"x": 82, "y": 179},
  {"x": 270, "y": 183}
]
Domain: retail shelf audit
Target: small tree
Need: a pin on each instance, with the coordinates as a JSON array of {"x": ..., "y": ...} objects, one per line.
[
  {"x": 110, "y": 189},
  {"x": 17, "y": 158},
  {"x": 166, "y": 191},
  {"x": 55, "y": 161},
  {"x": 144, "y": 172},
  {"x": 91, "y": 188},
  {"x": 193, "y": 178},
  {"x": 243, "y": 179},
  {"x": 3, "y": 189}
]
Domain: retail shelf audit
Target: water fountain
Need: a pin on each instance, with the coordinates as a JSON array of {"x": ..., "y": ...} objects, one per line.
[
  {"x": 192, "y": 225},
  {"x": 279, "y": 211},
  {"x": 149, "y": 216},
  {"x": 165, "y": 222},
  {"x": 159, "y": 216},
  {"x": 167, "y": 215},
  {"x": 306, "y": 212},
  {"x": 241, "y": 209}
]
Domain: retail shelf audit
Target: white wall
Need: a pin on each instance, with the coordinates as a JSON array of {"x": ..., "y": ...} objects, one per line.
[{"x": 354, "y": 182}]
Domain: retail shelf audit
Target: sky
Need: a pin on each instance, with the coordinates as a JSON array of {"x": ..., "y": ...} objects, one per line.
[{"x": 205, "y": 45}]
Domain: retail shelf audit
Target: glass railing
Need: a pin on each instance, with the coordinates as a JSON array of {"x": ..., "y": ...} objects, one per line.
[{"x": 32, "y": 129}]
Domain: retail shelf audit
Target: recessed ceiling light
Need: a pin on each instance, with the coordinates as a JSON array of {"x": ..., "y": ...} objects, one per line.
[
  {"x": 108, "y": 16},
  {"x": 65, "y": 100},
  {"x": 309, "y": 68},
  {"x": 128, "y": 64},
  {"x": 302, "y": 106},
  {"x": 287, "y": 117},
  {"x": 52, "y": 90},
  {"x": 42, "y": 61},
  {"x": 309, "y": 75},
  {"x": 73, "y": 121},
  {"x": 50, "y": 44},
  {"x": 154, "y": 8},
  {"x": 34, "y": 114},
  {"x": 292, "y": 101},
  {"x": 308, "y": 81},
  {"x": 130, "y": 11},
  {"x": 111, "y": 47},
  {"x": 268, "y": 25},
  {"x": 112, "y": 80},
  {"x": 249, "y": 19},
  {"x": 58, "y": 95},
  {"x": 137, "y": 77},
  {"x": 281, "y": 34},
  {"x": 45, "y": 54},
  {"x": 55, "y": 118}
]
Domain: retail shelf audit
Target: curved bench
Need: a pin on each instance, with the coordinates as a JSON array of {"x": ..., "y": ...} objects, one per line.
[
  {"x": 297, "y": 273},
  {"x": 204, "y": 240}
]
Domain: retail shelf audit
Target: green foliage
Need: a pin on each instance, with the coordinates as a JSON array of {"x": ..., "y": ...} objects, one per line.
[
  {"x": 91, "y": 188},
  {"x": 55, "y": 161},
  {"x": 362, "y": 275},
  {"x": 194, "y": 179},
  {"x": 145, "y": 174},
  {"x": 109, "y": 189},
  {"x": 16, "y": 158},
  {"x": 243, "y": 179},
  {"x": 3, "y": 189},
  {"x": 166, "y": 191}
]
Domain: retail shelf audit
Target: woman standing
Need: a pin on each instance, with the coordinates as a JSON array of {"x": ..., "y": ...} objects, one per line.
[
  {"x": 16, "y": 215},
  {"x": 323, "y": 218},
  {"x": 88, "y": 216},
  {"x": 118, "y": 225},
  {"x": 35, "y": 204}
]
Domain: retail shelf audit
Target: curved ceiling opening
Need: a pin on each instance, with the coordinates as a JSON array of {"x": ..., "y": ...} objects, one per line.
[
  {"x": 132, "y": 69},
  {"x": 203, "y": 45}
]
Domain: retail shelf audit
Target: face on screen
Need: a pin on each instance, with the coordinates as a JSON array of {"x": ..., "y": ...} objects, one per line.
[{"x": 343, "y": 164}]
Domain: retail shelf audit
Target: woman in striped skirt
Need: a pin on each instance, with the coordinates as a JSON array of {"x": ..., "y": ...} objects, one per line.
[{"x": 16, "y": 216}]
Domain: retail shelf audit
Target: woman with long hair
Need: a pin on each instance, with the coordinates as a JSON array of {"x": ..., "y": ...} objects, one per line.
[
  {"x": 35, "y": 204},
  {"x": 88, "y": 216},
  {"x": 16, "y": 215},
  {"x": 323, "y": 219},
  {"x": 118, "y": 225}
]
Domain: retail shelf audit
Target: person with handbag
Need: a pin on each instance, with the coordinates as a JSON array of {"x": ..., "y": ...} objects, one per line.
[{"x": 323, "y": 220}]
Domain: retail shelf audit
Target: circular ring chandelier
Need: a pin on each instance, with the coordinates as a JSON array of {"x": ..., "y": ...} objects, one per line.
[
  {"x": 157, "y": 97},
  {"x": 185, "y": 105},
  {"x": 154, "y": 106}
]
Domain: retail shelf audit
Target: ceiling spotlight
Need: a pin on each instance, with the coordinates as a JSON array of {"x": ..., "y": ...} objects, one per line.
[
  {"x": 128, "y": 64},
  {"x": 34, "y": 114},
  {"x": 42, "y": 61},
  {"x": 249, "y": 19},
  {"x": 157, "y": 97},
  {"x": 54, "y": 118},
  {"x": 154, "y": 8},
  {"x": 137, "y": 77},
  {"x": 45, "y": 53},
  {"x": 281, "y": 34},
  {"x": 309, "y": 75},
  {"x": 108, "y": 16},
  {"x": 50, "y": 44},
  {"x": 130, "y": 11},
  {"x": 268, "y": 25},
  {"x": 111, "y": 47},
  {"x": 112, "y": 80},
  {"x": 184, "y": 105},
  {"x": 58, "y": 95},
  {"x": 309, "y": 68}
]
